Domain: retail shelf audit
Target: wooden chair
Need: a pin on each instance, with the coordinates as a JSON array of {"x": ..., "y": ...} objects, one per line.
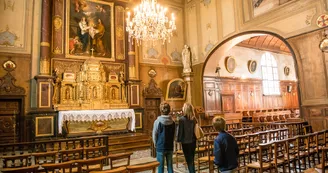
[
  {"x": 116, "y": 170},
  {"x": 97, "y": 151},
  {"x": 143, "y": 167},
  {"x": 16, "y": 161},
  {"x": 322, "y": 166},
  {"x": 242, "y": 143},
  {"x": 265, "y": 159},
  {"x": 206, "y": 158},
  {"x": 303, "y": 153},
  {"x": 45, "y": 157},
  {"x": 280, "y": 153},
  {"x": 253, "y": 143},
  {"x": 119, "y": 156},
  {"x": 87, "y": 165},
  {"x": 28, "y": 169},
  {"x": 178, "y": 153},
  {"x": 63, "y": 167},
  {"x": 320, "y": 142},
  {"x": 292, "y": 153}
]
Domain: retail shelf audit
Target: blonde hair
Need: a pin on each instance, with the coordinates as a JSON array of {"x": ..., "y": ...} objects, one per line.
[
  {"x": 219, "y": 123},
  {"x": 188, "y": 110}
]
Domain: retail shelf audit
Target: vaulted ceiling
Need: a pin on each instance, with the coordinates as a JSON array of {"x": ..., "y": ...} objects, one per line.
[{"x": 266, "y": 43}]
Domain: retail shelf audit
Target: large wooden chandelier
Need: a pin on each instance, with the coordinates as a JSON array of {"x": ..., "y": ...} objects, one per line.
[{"x": 150, "y": 23}]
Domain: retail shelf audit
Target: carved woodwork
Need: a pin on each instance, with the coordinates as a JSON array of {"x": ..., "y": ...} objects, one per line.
[
  {"x": 153, "y": 97},
  {"x": 152, "y": 90},
  {"x": 7, "y": 86},
  {"x": 91, "y": 85},
  {"x": 246, "y": 95},
  {"x": 11, "y": 107}
]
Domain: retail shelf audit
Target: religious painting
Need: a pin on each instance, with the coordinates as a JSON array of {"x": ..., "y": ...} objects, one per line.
[
  {"x": 230, "y": 64},
  {"x": 286, "y": 71},
  {"x": 264, "y": 6},
  {"x": 44, "y": 126},
  {"x": 176, "y": 90},
  {"x": 138, "y": 120},
  {"x": 90, "y": 29},
  {"x": 252, "y": 66}
]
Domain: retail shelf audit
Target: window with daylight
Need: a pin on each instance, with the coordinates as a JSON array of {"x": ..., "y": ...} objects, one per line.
[{"x": 270, "y": 76}]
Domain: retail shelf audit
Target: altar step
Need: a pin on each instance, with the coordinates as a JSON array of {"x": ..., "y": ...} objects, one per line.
[{"x": 128, "y": 142}]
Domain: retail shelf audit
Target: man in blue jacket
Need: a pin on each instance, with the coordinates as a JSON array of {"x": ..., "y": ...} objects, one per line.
[
  {"x": 225, "y": 148},
  {"x": 163, "y": 136}
]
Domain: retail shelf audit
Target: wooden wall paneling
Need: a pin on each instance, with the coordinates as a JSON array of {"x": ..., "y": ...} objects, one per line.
[
  {"x": 251, "y": 99},
  {"x": 228, "y": 103},
  {"x": 245, "y": 97},
  {"x": 211, "y": 97},
  {"x": 238, "y": 97}
]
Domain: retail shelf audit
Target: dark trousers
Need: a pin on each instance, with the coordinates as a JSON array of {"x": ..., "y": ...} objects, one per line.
[{"x": 189, "y": 154}]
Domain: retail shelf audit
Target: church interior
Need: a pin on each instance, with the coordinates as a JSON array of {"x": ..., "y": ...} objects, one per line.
[{"x": 81, "y": 82}]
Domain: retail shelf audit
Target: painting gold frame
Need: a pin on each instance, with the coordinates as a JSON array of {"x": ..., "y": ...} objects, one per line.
[
  {"x": 40, "y": 94},
  {"x": 176, "y": 89},
  {"x": 111, "y": 23},
  {"x": 39, "y": 133},
  {"x": 140, "y": 119},
  {"x": 230, "y": 64},
  {"x": 252, "y": 66}
]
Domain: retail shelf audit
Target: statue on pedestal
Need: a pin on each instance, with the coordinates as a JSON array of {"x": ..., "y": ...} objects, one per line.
[
  {"x": 122, "y": 86},
  {"x": 55, "y": 85},
  {"x": 186, "y": 59}
]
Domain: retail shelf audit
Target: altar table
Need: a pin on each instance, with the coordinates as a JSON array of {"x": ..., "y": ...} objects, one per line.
[{"x": 96, "y": 115}]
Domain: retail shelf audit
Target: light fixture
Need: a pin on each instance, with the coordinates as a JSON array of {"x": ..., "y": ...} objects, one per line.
[
  {"x": 324, "y": 43},
  {"x": 150, "y": 23}
]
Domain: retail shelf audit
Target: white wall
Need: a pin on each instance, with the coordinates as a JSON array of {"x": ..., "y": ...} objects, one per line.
[{"x": 243, "y": 55}]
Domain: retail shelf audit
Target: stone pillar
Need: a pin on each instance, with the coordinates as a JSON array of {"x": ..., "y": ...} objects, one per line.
[
  {"x": 188, "y": 78},
  {"x": 45, "y": 37},
  {"x": 132, "y": 60},
  {"x": 44, "y": 80}
]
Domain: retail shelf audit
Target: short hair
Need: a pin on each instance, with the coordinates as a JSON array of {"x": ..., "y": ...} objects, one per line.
[
  {"x": 219, "y": 123},
  {"x": 165, "y": 108}
]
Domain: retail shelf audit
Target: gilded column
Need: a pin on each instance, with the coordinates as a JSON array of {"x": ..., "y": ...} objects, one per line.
[
  {"x": 132, "y": 59},
  {"x": 45, "y": 37},
  {"x": 57, "y": 29}
]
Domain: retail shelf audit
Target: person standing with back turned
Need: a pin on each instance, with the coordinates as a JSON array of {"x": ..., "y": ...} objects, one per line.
[
  {"x": 187, "y": 136},
  {"x": 163, "y": 137},
  {"x": 225, "y": 148}
]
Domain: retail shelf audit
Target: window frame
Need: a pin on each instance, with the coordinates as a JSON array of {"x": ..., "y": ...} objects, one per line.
[{"x": 270, "y": 75}]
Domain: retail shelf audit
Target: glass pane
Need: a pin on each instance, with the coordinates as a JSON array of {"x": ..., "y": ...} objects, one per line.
[
  {"x": 274, "y": 62},
  {"x": 275, "y": 70},
  {"x": 270, "y": 77}
]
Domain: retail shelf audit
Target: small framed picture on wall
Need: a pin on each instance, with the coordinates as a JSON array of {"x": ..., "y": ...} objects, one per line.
[
  {"x": 230, "y": 64},
  {"x": 286, "y": 71},
  {"x": 252, "y": 66}
]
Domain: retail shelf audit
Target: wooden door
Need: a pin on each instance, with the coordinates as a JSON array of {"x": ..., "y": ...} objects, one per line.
[
  {"x": 151, "y": 113},
  {"x": 228, "y": 103},
  {"x": 10, "y": 120}
]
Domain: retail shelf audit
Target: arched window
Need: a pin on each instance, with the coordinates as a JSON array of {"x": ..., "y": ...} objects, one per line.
[{"x": 270, "y": 76}]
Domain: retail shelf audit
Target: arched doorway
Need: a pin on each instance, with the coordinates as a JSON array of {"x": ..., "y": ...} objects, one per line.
[{"x": 250, "y": 73}]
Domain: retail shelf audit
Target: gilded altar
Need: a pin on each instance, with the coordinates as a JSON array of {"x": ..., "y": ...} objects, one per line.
[{"x": 89, "y": 88}]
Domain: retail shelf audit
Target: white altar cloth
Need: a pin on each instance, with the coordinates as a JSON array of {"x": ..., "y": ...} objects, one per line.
[{"x": 96, "y": 115}]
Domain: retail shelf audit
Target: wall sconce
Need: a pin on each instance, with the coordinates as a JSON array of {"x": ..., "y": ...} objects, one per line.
[
  {"x": 289, "y": 88},
  {"x": 324, "y": 43},
  {"x": 238, "y": 96},
  {"x": 252, "y": 93},
  {"x": 217, "y": 70},
  {"x": 285, "y": 93}
]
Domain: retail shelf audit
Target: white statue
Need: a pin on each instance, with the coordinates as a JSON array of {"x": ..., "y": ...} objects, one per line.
[{"x": 186, "y": 59}]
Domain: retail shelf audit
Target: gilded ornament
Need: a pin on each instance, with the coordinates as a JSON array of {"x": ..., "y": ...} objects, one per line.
[
  {"x": 57, "y": 23},
  {"x": 119, "y": 33},
  {"x": 120, "y": 57},
  {"x": 8, "y": 38},
  {"x": 57, "y": 51}
]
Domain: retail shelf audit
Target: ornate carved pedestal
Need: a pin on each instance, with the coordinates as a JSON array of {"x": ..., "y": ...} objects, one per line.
[{"x": 188, "y": 78}]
